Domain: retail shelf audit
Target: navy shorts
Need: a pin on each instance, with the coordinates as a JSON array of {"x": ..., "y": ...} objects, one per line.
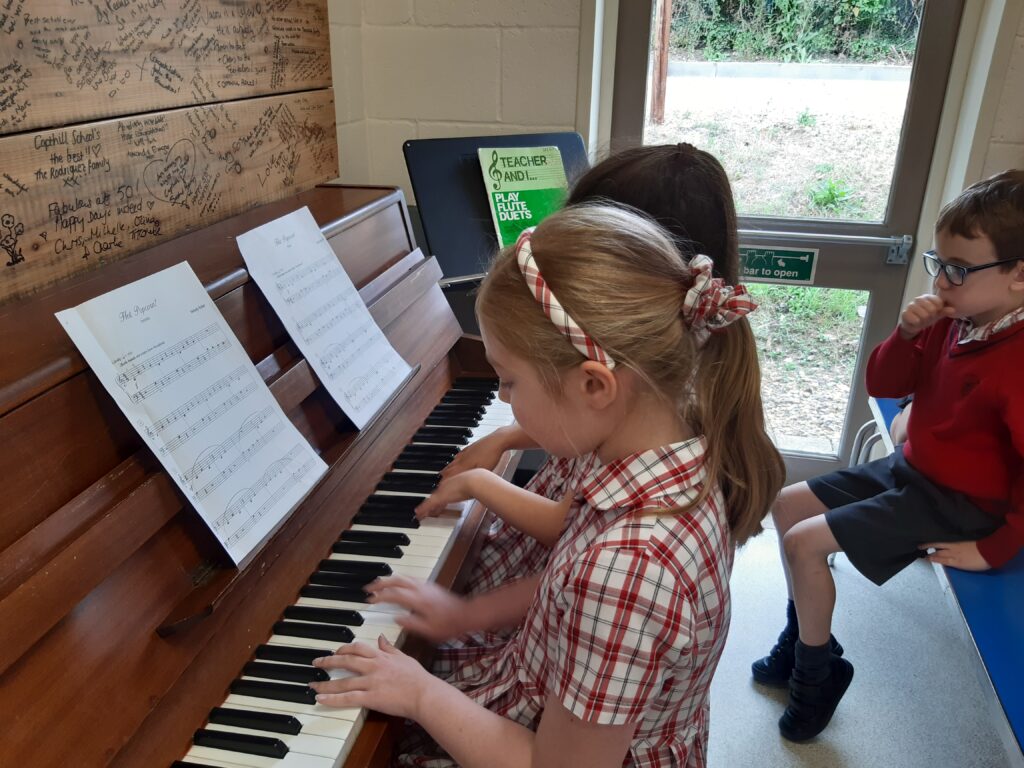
[{"x": 882, "y": 511}]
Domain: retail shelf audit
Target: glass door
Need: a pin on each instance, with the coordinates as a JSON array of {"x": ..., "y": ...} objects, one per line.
[{"x": 824, "y": 115}]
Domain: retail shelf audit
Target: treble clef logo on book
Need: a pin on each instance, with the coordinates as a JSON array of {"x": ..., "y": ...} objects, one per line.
[{"x": 493, "y": 171}]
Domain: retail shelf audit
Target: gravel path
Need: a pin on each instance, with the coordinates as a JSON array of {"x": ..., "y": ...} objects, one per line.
[{"x": 779, "y": 140}]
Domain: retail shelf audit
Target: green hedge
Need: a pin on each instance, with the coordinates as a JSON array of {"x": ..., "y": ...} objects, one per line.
[{"x": 796, "y": 30}]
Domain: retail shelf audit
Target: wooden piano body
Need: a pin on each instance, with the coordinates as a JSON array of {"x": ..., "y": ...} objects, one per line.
[{"x": 121, "y": 624}]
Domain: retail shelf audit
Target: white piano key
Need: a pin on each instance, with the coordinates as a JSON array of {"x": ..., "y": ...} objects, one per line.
[
  {"x": 349, "y": 605},
  {"x": 291, "y": 760},
  {"x": 315, "y": 643},
  {"x": 304, "y": 743}
]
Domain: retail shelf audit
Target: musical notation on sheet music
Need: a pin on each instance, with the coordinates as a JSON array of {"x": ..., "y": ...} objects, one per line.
[
  {"x": 279, "y": 478},
  {"x": 166, "y": 355},
  {"x": 306, "y": 285},
  {"x": 154, "y": 372}
]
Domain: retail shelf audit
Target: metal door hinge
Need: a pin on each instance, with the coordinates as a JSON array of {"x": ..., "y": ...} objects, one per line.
[{"x": 899, "y": 251}]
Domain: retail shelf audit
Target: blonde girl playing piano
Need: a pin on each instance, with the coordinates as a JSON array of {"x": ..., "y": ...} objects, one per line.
[
  {"x": 613, "y": 350},
  {"x": 687, "y": 192}
]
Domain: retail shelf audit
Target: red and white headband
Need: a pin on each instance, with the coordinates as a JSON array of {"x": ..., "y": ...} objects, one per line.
[
  {"x": 562, "y": 320},
  {"x": 709, "y": 305}
]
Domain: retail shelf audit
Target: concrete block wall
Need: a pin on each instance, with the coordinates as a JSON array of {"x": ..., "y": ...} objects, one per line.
[
  {"x": 1006, "y": 147},
  {"x": 346, "y": 36},
  {"x": 406, "y": 69}
]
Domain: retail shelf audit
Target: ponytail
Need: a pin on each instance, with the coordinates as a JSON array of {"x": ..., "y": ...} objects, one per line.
[{"x": 727, "y": 409}]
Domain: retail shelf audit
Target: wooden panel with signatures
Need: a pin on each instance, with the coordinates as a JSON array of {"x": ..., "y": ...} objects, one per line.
[
  {"x": 93, "y": 194},
  {"x": 71, "y": 61}
]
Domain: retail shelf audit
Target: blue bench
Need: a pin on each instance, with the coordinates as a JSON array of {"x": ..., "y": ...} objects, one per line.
[{"x": 992, "y": 608}]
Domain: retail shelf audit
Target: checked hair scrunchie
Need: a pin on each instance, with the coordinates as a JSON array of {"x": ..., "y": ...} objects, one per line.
[{"x": 710, "y": 305}]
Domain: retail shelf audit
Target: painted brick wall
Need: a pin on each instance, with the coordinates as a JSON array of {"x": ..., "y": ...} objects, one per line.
[
  {"x": 346, "y": 20},
  {"x": 1006, "y": 147},
  {"x": 406, "y": 69}
]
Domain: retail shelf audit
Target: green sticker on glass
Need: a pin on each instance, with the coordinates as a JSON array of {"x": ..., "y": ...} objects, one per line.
[
  {"x": 794, "y": 266},
  {"x": 524, "y": 185}
]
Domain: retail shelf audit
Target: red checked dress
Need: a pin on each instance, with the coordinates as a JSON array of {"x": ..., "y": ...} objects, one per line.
[
  {"x": 507, "y": 555},
  {"x": 630, "y": 616}
]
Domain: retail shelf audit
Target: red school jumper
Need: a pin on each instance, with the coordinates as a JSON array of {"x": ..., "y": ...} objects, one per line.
[{"x": 966, "y": 429}]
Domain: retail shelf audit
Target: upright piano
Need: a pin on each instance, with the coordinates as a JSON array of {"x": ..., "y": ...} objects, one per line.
[{"x": 127, "y": 638}]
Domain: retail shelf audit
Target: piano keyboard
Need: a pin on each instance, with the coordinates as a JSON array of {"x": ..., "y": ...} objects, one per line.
[{"x": 271, "y": 719}]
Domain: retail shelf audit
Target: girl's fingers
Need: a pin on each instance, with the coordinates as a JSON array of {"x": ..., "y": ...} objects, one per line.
[
  {"x": 339, "y": 658},
  {"x": 340, "y": 685},
  {"x": 352, "y": 699},
  {"x": 414, "y": 624},
  {"x": 403, "y": 597},
  {"x": 390, "y": 581}
]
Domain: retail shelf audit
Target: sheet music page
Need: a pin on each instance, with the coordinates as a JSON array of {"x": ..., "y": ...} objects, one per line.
[
  {"x": 169, "y": 359},
  {"x": 324, "y": 314}
]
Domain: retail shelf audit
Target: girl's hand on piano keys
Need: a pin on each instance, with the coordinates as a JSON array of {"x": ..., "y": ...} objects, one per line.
[
  {"x": 385, "y": 679},
  {"x": 434, "y": 612},
  {"x": 451, "y": 491},
  {"x": 485, "y": 453}
]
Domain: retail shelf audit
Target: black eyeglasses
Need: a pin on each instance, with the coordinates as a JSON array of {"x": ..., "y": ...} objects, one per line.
[{"x": 955, "y": 273}]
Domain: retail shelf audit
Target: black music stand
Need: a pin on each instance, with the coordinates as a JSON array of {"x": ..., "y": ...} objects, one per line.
[{"x": 452, "y": 200}]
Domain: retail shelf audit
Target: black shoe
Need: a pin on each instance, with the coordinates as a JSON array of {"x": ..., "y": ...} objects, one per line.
[
  {"x": 811, "y": 706},
  {"x": 776, "y": 668}
]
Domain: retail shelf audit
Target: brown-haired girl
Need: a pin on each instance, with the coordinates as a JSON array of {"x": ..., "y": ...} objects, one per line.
[
  {"x": 612, "y": 349},
  {"x": 686, "y": 191}
]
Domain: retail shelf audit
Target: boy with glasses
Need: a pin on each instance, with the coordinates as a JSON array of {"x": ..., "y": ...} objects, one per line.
[{"x": 954, "y": 491}]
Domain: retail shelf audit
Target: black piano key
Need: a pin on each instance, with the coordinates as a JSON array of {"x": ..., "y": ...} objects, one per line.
[
  {"x": 338, "y": 594},
  {"x": 434, "y": 438},
  {"x": 362, "y": 567},
  {"x": 396, "y": 503},
  {"x": 473, "y": 398},
  {"x": 347, "y": 579},
  {"x": 445, "y": 432},
  {"x": 400, "y": 515},
  {"x": 300, "y": 694},
  {"x": 257, "y": 721},
  {"x": 408, "y": 511},
  {"x": 451, "y": 420},
  {"x": 413, "y": 478},
  {"x": 290, "y": 655},
  {"x": 334, "y": 633},
  {"x": 267, "y": 746},
  {"x": 464, "y": 431},
  {"x": 408, "y": 484},
  {"x": 290, "y": 673},
  {"x": 386, "y": 521},
  {"x": 354, "y": 581},
  {"x": 374, "y": 537},
  {"x": 324, "y": 615},
  {"x": 423, "y": 464},
  {"x": 367, "y": 548},
  {"x": 415, "y": 451},
  {"x": 458, "y": 409}
]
